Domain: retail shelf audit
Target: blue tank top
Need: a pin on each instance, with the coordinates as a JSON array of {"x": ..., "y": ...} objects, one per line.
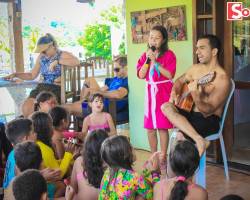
[{"x": 50, "y": 76}]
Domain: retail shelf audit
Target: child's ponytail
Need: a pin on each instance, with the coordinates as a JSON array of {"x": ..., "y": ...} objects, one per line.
[
  {"x": 42, "y": 97},
  {"x": 184, "y": 160},
  {"x": 180, "y": 189}
]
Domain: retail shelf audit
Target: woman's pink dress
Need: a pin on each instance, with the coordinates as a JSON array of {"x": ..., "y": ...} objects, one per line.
[{"x": 158, "y": 89}]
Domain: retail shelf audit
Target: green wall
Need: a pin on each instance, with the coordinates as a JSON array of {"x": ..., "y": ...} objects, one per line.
[{"x": 182, "y": 49}]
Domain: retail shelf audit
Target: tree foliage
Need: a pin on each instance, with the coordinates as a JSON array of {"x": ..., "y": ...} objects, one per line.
[
  {"x": 96, "y": 41},
  {"x": 122, "y": 49},
  {"x": 4, "y": 39},
  {"x": 113, "y": 16},
  {"x": 4, "y": 44},
  {"x": 31, "y": 34}
]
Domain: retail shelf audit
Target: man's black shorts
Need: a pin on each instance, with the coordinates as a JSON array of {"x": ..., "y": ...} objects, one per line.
[{"x": 205, "y": 126}]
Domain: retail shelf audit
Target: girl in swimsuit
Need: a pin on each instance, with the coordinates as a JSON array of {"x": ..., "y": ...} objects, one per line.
[
  {"x": 88, "y": 169},
  {"x": 98, "y": 119},
  {"x": 184, "y": 160}
]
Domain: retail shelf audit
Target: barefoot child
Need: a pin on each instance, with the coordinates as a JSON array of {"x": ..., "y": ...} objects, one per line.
[{"x": 157, "y": 65}]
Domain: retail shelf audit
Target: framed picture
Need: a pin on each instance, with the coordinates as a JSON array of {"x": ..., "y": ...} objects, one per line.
[{"x": 172, "y": 18}]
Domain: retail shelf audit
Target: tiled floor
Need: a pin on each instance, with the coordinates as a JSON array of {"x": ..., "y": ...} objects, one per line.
[{"x": 217, "y": 186}]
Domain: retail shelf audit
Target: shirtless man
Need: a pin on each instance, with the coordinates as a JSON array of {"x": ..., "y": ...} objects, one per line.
[{"x": 209, "y": 99}]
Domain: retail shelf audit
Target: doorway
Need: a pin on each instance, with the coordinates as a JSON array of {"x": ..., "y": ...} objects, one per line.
[{"x": 241, "y": 75}]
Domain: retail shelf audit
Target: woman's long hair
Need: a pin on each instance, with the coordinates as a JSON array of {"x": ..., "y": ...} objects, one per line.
[
  {"x": 92, "y": 162},
  {"x": 184, "y": 160},
  {"x": 42, "y": 123}
]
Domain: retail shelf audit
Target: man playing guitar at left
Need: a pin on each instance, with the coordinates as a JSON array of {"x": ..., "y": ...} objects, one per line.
[{"x": 209, "y": 99}]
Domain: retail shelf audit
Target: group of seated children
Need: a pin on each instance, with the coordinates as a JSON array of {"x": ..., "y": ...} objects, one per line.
[{"x": 41, "y": 161}]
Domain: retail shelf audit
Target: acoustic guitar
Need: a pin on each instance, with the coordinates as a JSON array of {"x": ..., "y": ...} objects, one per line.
[{"x": 186, "y": 101}]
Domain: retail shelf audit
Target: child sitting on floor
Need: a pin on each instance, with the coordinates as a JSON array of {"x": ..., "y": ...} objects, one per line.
[
  {"x": 43, "y": 128},
  {"x": 184, "y": 160},
  {"x": 120, "y": 181},
  {"x": 60, "y": 118},
  {"x": 27, "y": 156},
  {"x": 17, "y": 130},
  {"x": 45, "y": 101},
  {"x": 30, "y": 185},
  {"x": 88, "y": 169},
  {"x": 98, "y": 119}
]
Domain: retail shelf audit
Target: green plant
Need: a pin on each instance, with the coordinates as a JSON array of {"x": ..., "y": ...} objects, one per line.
[
  {"x": 113, "y": 17},
  {"x": 31, "y": 34},
  {"x": 4, "y": 45},
  {"x": 122, "y": 50},
  {"x": 96, "y": 41}
]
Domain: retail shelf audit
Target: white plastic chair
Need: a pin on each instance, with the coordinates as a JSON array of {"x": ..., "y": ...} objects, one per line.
[{"x": 201, "y": 173}]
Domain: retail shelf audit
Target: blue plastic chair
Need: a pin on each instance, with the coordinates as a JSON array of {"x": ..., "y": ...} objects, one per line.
[{"x": 201, "y": 173}]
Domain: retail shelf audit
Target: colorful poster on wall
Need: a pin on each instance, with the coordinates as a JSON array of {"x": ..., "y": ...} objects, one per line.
[{"x": 172, "y": 18}]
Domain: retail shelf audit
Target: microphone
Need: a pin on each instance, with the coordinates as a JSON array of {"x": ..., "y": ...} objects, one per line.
[{"x": 153, "y": 48}]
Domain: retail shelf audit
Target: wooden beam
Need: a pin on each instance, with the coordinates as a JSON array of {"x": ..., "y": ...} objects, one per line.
[
  {"x": 11, "y": 37},
  {"x": 15, "y": 20},
  {"x": 17, "y": 27}
]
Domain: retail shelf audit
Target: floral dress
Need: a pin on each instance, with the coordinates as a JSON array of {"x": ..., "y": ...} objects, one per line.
[{"x": 125, "y": 185}]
